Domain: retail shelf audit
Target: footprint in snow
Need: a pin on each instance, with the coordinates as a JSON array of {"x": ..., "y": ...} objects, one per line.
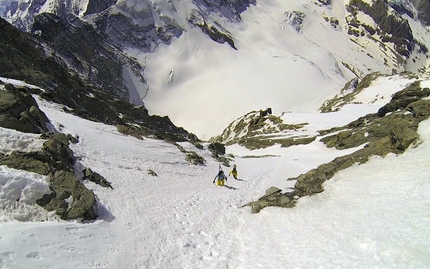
[
  {"x": 50, "y": 245},
  {"x": 34, "y": 256},
  {"x": 85, "y": 237},
  {"x": 67, "y": 249},
  {"x": 8, "y": 254},
  {"x": 116, "y": 249},
  {"x": 98, "y": 264}
]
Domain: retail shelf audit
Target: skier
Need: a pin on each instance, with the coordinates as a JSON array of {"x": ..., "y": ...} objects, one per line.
[
  {"x": 233, "y": 172},
  {"x": 220, "y": 178}
]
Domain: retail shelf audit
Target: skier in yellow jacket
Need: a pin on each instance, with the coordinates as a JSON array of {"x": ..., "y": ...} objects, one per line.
[{"x": 233, "y": 172}]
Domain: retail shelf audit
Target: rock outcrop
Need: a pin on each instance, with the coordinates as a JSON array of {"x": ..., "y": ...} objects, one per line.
[
  {"x": 19, "y": 111},
  {"x": 378, "y": 134},
  {"x": 392, "y": 130},
  {"x": 261, "y": 129},
  {"x": 273, "y": 197},
  {"x": 70, "y": 199}
]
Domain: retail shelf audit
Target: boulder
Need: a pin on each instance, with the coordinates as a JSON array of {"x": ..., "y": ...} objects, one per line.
[
  {"x": 70, "y": 199},
  {"x": 68, "y": 190},
  {"x": 217, "y": 148},
  {"x": 96, "y": 178},
  {"x": 403, "y": 98},
  {"x": 193, "y": 158},
  {"x": 273, "y": 197},
  {"x": 19, "y": 111},
  {"x": 58, "y": 148},
  {"x": 267, "y": 111},
  {"x": 36, "y": 162}
]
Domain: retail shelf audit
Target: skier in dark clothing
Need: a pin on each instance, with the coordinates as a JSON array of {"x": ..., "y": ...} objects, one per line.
[{"x": 220, "y": 179}]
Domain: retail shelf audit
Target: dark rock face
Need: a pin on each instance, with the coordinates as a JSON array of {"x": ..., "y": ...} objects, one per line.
[
  {"x": 84, "y": 49},
  {"x": 66, "y": 9},
  {"x": 423, "y": 8},
  {"x": 192, "y": 156},
  {"x": 121, "y": 31},
  {"x": 19, "y": 111},
  {"x": 60, "y": 153},
  {"x": 22, "y": 58},
  {"x": 393, "y": 28},
  {"x": 37, "y": 162},
  {"x": 219, "y": 36},
  {"x": 217, "y": 148},
  {"x": 295, "y": 19},
  {"x": 218, "y": 153},
  {"x": 96, "y": 178},
  {"x": 229, "y": 6},
  {"x": 230, "y": 9},
  {"x": 402, "y": 10},
  {"x": 97, "y": 6},
  {"x": 325, "y": 2}
]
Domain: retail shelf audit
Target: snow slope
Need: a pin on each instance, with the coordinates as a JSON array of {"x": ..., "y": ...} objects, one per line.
[{"x": 373, "y": 215}]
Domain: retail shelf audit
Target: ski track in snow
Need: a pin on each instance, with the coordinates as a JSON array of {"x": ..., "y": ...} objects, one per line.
[
  {"x": 170, "y": 209},
  {"x": 189, "y": 222}
]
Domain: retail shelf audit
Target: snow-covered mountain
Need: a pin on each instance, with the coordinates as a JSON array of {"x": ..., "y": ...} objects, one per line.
[
  {"x": 90, "y": 181},
  {"x": 239, "y": 46}
]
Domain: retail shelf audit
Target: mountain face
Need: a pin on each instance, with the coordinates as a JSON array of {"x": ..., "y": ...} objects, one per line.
[
  {"x": 415, "y": 8},
  {"x": 139, "y": 51},
  {"x": 23, "y": 58},
  {"x": 23, "y": 12},
  {"x": 95, "y": 45},
  {"x": 88, "y": 54}
]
